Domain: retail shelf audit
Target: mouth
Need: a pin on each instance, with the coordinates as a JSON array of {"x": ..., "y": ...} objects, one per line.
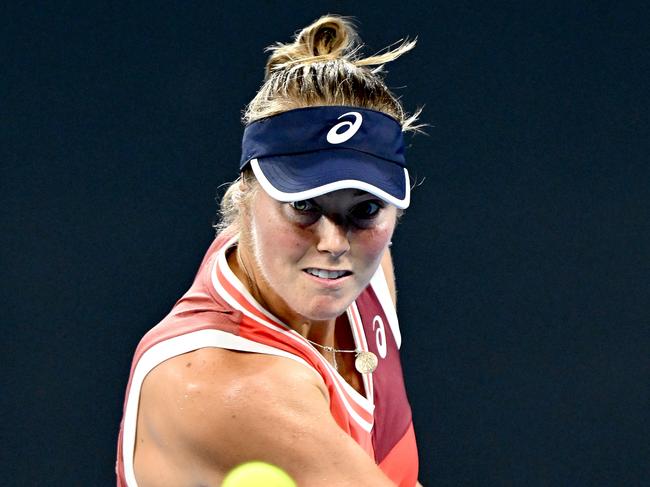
[{"x": 325, "y": 274}]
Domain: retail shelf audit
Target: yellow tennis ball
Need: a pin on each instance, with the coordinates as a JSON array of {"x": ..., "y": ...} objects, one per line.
[{"x": 257, "y": 474}]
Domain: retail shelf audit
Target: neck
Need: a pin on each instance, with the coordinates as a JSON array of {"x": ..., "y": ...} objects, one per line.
[{"x": 322, "y": 333}]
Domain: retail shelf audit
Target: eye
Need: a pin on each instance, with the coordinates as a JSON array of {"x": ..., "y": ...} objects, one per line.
[
  {"x": 303, "y": 206},
  {"x": 366, "y": 210},
  {"x": 304, "y": 212}
]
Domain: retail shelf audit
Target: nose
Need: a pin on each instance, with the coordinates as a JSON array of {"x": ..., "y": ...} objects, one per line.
[{"x": 333, "y": 237}]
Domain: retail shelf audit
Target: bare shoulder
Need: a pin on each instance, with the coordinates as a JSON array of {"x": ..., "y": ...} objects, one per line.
[
  {"x": 195, "y": 400},
  {"x": 203, "y": 412}
]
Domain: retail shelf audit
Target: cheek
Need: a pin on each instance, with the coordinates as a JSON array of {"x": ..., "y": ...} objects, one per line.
[
  {"x": 288, "y": 244},
  {"x": 373, "y": 242},
  {"x": 279, "y": 239}
]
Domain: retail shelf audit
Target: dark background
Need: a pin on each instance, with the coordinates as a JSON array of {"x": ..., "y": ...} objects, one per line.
[{"x": 523, "y": 265}]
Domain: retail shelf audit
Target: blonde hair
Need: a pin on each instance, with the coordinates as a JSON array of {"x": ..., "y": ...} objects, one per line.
[{"x": 322, "y": 66}]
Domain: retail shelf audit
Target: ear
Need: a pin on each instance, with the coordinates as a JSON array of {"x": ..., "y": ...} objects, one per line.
[
  {"x": 243, "y": 184},
  {"x": 244, "y": 200}
]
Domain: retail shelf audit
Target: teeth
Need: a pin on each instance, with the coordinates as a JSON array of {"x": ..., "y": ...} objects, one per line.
[{"x": 323, "y": 274}]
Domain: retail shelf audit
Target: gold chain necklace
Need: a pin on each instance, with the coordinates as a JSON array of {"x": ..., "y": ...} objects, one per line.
[{"x": 365, "y": 362}]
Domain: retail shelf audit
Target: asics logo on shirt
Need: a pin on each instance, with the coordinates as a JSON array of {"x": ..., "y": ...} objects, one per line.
[
  {"x": 380, "y": 335},
  {"x": 351, "y": 128}
]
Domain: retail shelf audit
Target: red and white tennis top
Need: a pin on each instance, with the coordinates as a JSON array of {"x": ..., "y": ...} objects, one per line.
[{"x": 218, "y": 311}]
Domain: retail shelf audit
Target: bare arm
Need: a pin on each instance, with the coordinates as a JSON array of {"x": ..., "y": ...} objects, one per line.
[
  {"x": 389, "y": 273},
  {"x": 204, "y": 412}
]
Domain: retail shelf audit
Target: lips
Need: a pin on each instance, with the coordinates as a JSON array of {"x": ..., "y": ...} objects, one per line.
[{"x": 325, "y": 274}]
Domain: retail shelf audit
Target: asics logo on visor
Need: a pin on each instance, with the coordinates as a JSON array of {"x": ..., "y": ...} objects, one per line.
[{"x": 334, "y": 137}]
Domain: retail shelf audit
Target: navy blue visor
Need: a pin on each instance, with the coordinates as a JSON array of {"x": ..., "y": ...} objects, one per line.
[{"x": 304, "y": 153}]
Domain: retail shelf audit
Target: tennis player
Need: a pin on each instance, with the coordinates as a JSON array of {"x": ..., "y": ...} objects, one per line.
[{"x": 286, "y": 347}]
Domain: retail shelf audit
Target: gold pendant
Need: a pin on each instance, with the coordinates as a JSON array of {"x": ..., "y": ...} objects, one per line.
[{"x": 366, "y": 362}]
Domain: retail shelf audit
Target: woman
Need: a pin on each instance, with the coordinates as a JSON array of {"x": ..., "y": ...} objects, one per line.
[{"x": 285, "y": 348}]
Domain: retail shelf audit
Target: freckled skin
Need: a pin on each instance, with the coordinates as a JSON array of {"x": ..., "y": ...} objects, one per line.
[{"x": 278, "y": 243}]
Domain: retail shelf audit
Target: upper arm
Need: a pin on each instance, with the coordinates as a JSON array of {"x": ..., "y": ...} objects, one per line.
[
  {"x": 389, "y": 274},
  {"x": 234, "y": 407}
]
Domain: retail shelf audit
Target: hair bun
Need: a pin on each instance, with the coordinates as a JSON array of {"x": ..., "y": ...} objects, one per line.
[{"x": 329, "y": 37}]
